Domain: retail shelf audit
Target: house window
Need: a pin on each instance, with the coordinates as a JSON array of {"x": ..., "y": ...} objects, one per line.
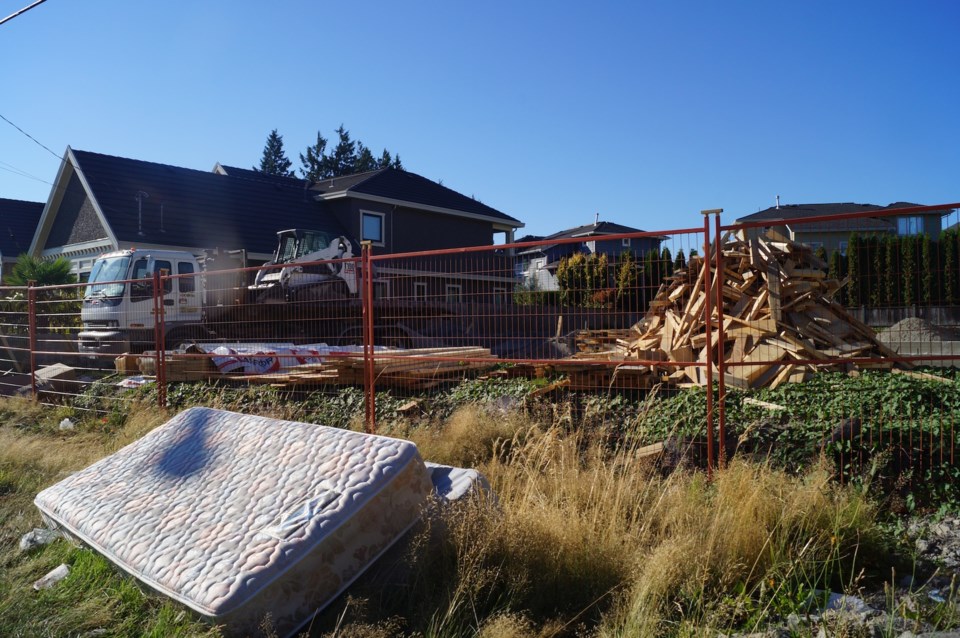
[
  {"x": 625, "y": 242},
  {"x": 420, "y": 290},
  {"x": 843, "y": 248},
  {"x": 372, "y": 227},
  {"x": 910, "y": 225},
  {"x": 453, "y": 293},
  {"x": 381, "y": 289},
  {"x": 499, "y": 295}
]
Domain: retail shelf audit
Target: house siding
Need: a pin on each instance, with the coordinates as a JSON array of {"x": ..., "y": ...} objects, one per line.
[
  {"x": 413, "y": 230},
  {"x": 76, "y": 218}
]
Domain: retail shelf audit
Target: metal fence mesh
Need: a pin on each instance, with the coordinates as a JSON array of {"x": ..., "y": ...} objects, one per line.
[{"x": 838, "y": 341}]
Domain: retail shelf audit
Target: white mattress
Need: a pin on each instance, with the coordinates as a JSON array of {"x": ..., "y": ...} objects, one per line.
[{"x": 237, "y": 516}]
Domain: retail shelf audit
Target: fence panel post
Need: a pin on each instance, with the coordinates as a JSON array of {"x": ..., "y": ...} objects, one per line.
[
  {"x": 158, "y": 339},
  {"x": 708, "y": 319},
  {"x": 366, "y": 298},
  {"x": 32, "y": 329},
  {"x": 721, "y": 346}
]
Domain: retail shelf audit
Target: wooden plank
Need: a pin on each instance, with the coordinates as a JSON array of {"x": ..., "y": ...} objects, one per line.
[{"x": 922, "y": 375}]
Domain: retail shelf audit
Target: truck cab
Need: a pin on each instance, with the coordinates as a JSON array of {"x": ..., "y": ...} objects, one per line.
[{"x": 118, "y": 308}]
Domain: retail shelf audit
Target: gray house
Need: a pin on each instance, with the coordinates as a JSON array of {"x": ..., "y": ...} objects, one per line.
[
  {"x": 537, "y": 266},
  {"x": 101, "y": 203},
  {"x": 788, "y": 220}
]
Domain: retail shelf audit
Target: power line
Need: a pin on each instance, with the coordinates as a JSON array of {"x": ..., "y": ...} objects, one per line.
[
  {"x": 30, "y": 136},
  {"x": 10, "y": 168},
  {"x": 23, "y": 10}
]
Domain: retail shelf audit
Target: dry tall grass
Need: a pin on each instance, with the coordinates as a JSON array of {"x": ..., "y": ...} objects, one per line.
[
  {"x": 582, "y": 538},
  {"x": 587, "y": 539}
]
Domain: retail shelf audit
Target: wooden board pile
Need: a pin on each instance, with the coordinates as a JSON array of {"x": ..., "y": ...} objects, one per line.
[
  {"x": 780, "y": 321},
  {"x": 419, "y": 369}
]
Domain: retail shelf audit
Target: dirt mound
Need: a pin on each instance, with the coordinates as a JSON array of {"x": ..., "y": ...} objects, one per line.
[{"x": 917, "y": 330}]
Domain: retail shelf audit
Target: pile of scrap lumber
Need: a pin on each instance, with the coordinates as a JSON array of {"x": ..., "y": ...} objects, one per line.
[
  {"x": 418, "y": 368},
  {"x": 780, "y": 321}
]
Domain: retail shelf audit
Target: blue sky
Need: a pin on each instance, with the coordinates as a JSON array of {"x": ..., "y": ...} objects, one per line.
[{"x": 643, "y": 112}]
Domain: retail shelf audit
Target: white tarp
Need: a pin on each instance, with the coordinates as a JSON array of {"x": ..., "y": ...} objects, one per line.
[{"x": 263, "y": 358}]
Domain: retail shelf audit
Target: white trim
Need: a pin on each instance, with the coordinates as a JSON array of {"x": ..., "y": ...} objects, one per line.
[
  {"x": 420, "y": 285},
  {"x": 445, "y": 275},
  {"x": 56, "y": 198},
  {"x": 448, "y": 288},
  {"x": 88, "y": 247},
  {"x": 383, "y": 226},
  {"x": 385, "y": 287},
  {"x": 498, "y": 223}
]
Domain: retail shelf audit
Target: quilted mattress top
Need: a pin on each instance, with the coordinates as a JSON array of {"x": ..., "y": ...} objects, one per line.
[{"x": 212, "y": 506}]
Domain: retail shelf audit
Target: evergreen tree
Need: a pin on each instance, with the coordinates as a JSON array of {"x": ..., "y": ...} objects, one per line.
[
  {"x": 876, "y": 257},
  {"x": 948, "y": 240},
  {"x": 628, "y": 281},
  {"x": 680, "y": 261},
  {"x": 313, "y": 161},
  {"x": 386, "y": 161},
  {"x": 854, "y": 297},
  {"x": 667, "y": 260},
  {"x": 927, "y": 271},
  {"x": 274, "y": 160},
  {"x": 364, "y": 161},
  {"x": 835, "y": 271},
  {"x": 343, "y": 159},
  {"x": 891, "y": 275},
  {"x": 908, "y": 269}
]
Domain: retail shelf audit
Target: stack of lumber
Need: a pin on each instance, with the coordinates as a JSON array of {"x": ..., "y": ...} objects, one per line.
[
  {"x": 590, "y": 341},
  {"x": 780, "y": 321},
  {"x": 418, "y": 368}
]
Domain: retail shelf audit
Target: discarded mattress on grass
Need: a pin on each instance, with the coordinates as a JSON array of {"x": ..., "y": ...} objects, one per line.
[{"x": 238, "y": 516}]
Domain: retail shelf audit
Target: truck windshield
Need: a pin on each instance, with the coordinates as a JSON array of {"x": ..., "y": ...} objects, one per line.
[{"x": 109, "y": 269}]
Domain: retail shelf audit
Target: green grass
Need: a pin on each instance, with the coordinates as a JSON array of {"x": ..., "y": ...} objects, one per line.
[{"x": 585, "y": 537}]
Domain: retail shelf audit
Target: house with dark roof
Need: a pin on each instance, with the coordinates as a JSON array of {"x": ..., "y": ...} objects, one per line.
[
  {"x": 18, "y": 221},
  {"x": 101, "y": 203},
  {"x": 537, "y": 265},
  {"x": 832, "y": 235}
]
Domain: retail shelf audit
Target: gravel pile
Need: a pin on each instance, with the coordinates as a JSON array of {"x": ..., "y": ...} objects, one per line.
[{"x": 917, "y": 330}]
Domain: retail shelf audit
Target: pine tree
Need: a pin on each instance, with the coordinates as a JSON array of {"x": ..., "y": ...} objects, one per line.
[
  {"x": 312, "y": 162},
  {"x": 364, "y": 161},
  {"x": 274, "y": 160},
  {"x": 343, "y": 159}
]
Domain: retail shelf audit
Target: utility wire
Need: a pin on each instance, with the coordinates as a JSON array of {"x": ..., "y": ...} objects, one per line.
[
  {"x": 23, "y": 10},
  {"x": 30, "y": 136}
]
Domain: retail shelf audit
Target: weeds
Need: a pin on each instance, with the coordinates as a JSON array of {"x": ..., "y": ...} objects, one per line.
[{"x": 586, "y": 536}]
